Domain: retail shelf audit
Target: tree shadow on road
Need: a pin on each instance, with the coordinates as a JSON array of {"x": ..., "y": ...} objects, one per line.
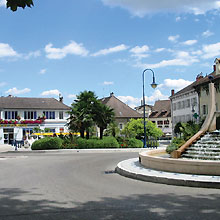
[{"x": 13, "y": 206}]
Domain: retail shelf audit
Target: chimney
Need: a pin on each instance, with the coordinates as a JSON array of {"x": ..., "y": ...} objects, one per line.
[
  {"x": 199, "y": 76},
  {"x": 60, "y": 98},
  {"x": 172, "y": 92},
  {"x": 217, "y": 64}
]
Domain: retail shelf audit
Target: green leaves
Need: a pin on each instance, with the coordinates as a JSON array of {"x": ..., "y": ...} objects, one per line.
[{"x": 14, "y": 4}]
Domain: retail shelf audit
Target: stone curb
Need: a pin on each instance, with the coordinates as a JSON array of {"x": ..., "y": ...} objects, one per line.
[{"x": 140, "y": 173}]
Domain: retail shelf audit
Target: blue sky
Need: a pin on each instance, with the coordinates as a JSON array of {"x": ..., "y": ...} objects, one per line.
[{"x": 104, "y": 45}]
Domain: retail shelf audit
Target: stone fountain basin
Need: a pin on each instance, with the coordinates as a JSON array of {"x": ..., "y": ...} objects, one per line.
[{"x": 157, "y": 160}]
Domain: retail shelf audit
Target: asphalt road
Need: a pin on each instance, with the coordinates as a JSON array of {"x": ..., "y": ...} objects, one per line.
[{"x": 84, "y": 186}]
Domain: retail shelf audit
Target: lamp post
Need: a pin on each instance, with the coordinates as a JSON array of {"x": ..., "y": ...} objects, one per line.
[{"x": 153, "y": 85}]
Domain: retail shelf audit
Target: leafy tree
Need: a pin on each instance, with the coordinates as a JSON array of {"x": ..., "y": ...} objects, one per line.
[
  {"x": 104, "y": 115},
  {"x": 112, "y": 129},
  {"x": 135, "y": 128},
  {"x": 82, "y": 113},
  {"x": 14, "y": 4}
]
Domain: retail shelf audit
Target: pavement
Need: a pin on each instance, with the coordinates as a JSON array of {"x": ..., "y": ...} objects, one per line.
[{"x": 133, "y": 169}]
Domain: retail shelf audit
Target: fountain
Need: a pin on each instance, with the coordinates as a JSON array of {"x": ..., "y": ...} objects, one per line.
[{"x": 199, "y": 155}]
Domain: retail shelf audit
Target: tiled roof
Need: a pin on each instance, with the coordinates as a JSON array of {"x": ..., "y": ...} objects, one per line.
[
  {"x": 11, "y": 102},
  {"x": 120, "y": 108},
  {"x": 161, "y": 109}
]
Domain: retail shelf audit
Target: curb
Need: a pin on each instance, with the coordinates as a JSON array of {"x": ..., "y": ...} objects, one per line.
[{"x": 127, "y": 168}]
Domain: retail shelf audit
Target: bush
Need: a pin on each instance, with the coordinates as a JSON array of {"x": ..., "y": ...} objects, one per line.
[
  {"x": 175, "y": 144},
  {"x": 134, "y": 143},
  {"x": 47, "y": 143}
]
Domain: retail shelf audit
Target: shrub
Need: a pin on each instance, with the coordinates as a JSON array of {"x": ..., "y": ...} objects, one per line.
[
  {"x": 175, "y": 144},
  {"x": 134, "y": 143},
  {"x": 47, "y": 143}
]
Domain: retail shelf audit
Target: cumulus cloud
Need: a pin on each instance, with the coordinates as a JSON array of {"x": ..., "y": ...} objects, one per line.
[
  {"x": 140, "y": 52},
  {"x": 43, "y": 71},
  {"x": 2, "y": 3},
  {"x": 130, "y": 100},
  {"x": 15, "y": 91},
  {"x": 51, "y": 93},
  {"x": 72, "y": 48},
  {"x": 71, "y": 96},
  {"x": 2, "y": 84},
  {"x": 142, "y": 7},
  {"x": 207, "y": 33},
  {"x": 182, "y": 58},
  {"x": 110, "y": 50},
  {"x": 36, "y": 53},
  {"x": 157, "y": 95},
  {"x": 211, "y": 50},
  {"x": 158, "y": 50},
  {"x": 189, "y": 42},
  {"x": 173, "y": 38},
  {"x": 176, "y": 84},
  {"x": 7, "y": 51},
  {"x": 108, "y": 83}
]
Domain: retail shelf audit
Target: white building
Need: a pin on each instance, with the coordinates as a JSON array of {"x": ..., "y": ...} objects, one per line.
[
  {"x": 185, "y": 104},
  {"x": 19, "y": 116}
]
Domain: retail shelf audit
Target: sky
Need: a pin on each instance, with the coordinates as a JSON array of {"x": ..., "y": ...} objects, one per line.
[{"x": 69, "y": 46}]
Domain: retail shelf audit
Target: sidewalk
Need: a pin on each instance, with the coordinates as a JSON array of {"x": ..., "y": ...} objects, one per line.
[
  {"x": 133, "y": 169},
  {"x": 9, "y": 148}
]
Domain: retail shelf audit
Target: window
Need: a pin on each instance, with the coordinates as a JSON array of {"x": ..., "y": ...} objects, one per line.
[
  {"x": 159, "y": 122},
  {"x": 174, "y": 106},
  {"x": 11, "y": 114},
  {"x": 183, "y": 104},
  {"x": 167, "y": 122},
  {"x": 120, "y": 126},
  {"x": 178, "y": 105},
  {"x": 49, "y": 114},
  {"x": 205, "y": 109},
  {"x": 30, "y": 115},
  {"x": 60, "y": 115},
  {"x": 187, "y": 103}
]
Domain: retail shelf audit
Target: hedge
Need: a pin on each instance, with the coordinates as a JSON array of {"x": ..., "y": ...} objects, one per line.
[{"x": 47, "y": 143}]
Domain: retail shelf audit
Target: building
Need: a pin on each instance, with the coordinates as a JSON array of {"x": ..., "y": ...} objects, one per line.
[
  {"x": 161, "y": 116},
  {"x": 185, "y": 104},
  {"x": 148, "y": 109},
  {"x": 123, "y": 113},
  {"x": 21, "y": 116}
]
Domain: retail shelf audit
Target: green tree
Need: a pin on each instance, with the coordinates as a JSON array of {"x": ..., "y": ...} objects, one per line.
[
  {"x": 112, "y": 129},
  {"x": 81, "y": 117},
  {"x": 135, "y": 129},
  {"x": 103, "y": 116},
  {"x": 14, "y": 4}
]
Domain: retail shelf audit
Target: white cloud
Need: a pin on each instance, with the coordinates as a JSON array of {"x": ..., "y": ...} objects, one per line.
[
  {"x": 142, "y": 7},
  {"x": 138, "y": 50},
  {"x": 71, "y": 96},
  {"x": 158, "y": 50},
  {"x": 189, "y": 42},
  {"x": 15, "y": 91},
  {"x": 182, "y": 58},
  {"x": 7, "y": 51},
  {"x": 36, "y": 53},
  {"x": 178, "y": 18},
  {"x": 130, "y": 100},
  {"x": 207, "y": 33},
  {"x": 110, "y": 50},
  {"x": 157, "y": 95},
  {"x": 108, "y": 83},
  {"x": 173, "y": 38},
  {"x": 176, "y": 84},
  {"x": 59, "y": 53},
  {"x": 211, "y": 50},
  {"x": 43, "y": 71},
  {"x": 51, "y": 93},
  {"x": 2, "y": 84},
  {"x": 2, "y": 3}
]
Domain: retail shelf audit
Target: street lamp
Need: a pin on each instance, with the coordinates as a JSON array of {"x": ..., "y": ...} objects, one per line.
[{"x": 153, "y": 85}]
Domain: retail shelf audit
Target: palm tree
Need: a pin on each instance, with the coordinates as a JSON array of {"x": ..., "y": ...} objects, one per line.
[{"x": 104, "y": 116}]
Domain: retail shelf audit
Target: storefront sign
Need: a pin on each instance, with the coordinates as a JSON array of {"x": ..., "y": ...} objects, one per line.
[{"x": 13, "y": 125}]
